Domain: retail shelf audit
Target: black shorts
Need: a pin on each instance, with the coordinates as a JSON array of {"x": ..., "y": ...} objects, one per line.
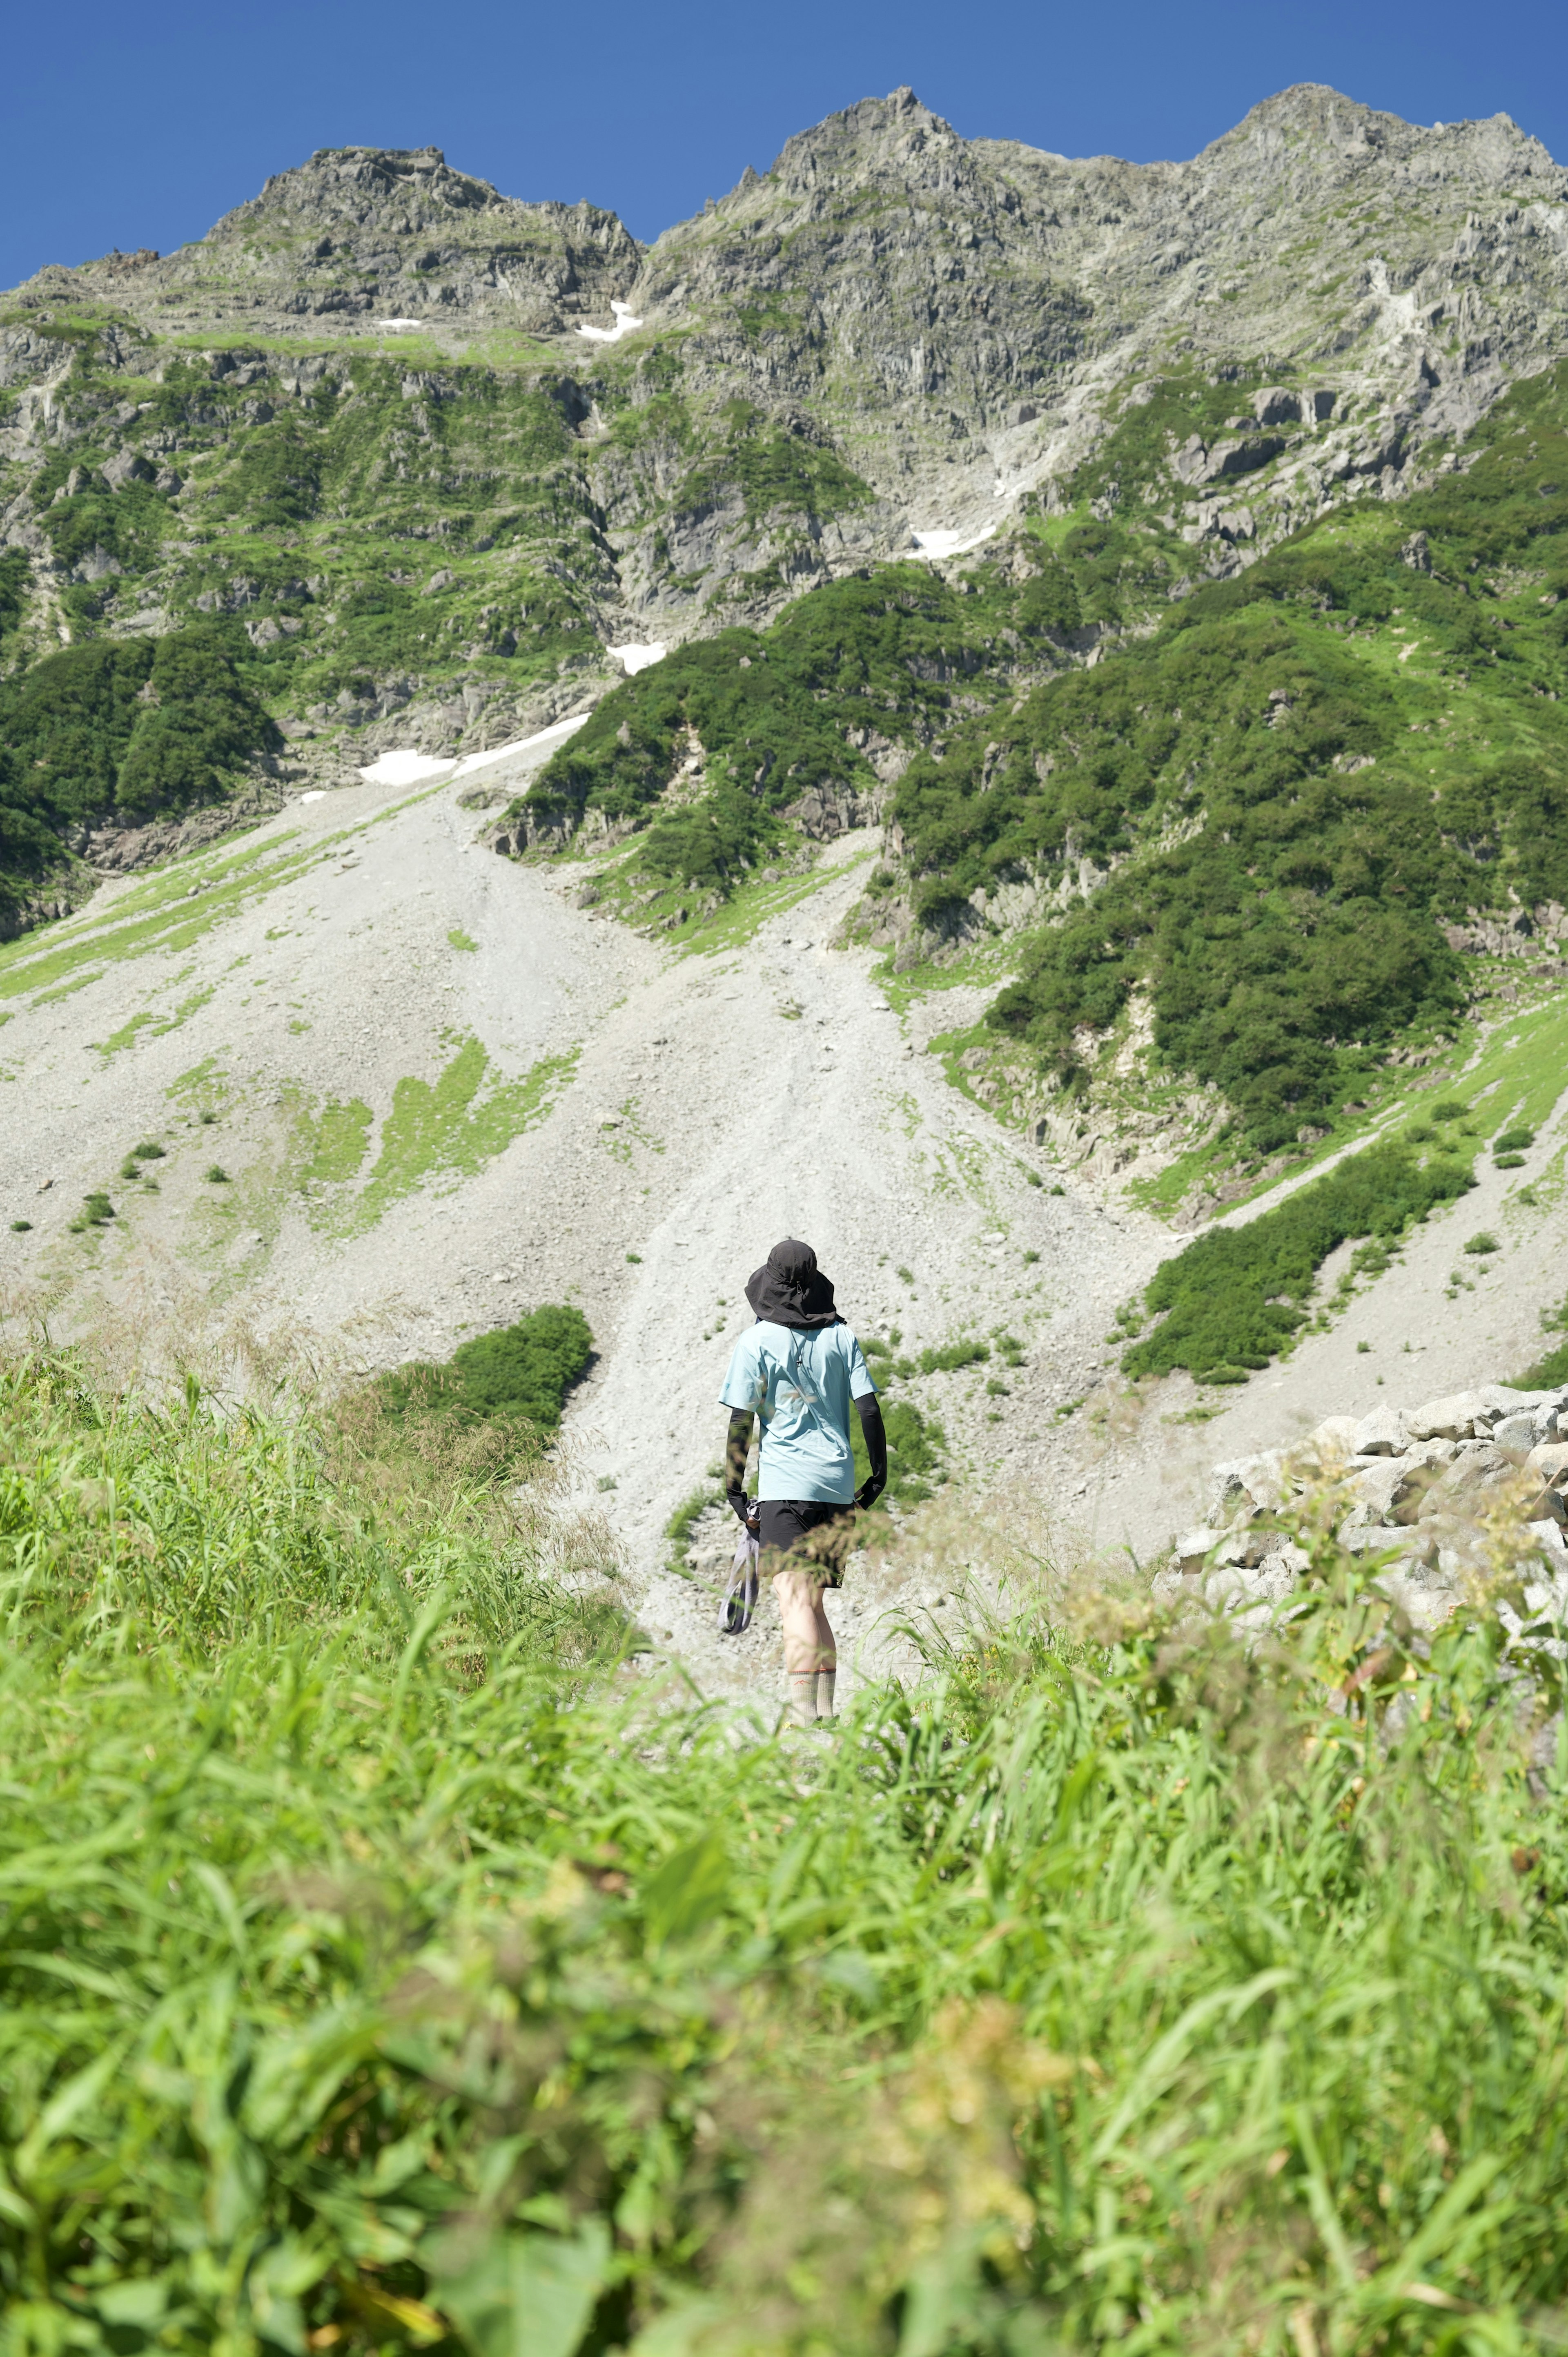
[{"x": 813, "y": 1532}]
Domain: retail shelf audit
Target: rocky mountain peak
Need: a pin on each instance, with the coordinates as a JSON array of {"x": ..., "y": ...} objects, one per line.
[
  {"x": 400, "y": 189},
  {"x": 876, "y": 139}
]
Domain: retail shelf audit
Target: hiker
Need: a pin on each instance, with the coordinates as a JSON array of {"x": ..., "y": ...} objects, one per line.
[{"x": 798, "y": 1367}]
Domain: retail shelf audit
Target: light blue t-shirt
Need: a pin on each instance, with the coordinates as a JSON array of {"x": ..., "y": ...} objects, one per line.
[{"x": 801, "y": 1384}]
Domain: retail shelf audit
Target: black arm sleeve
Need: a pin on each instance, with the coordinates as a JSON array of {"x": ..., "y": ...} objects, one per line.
[
  {"x": 737, "y": 1448},
  {"x": 876, "y": 1438}
]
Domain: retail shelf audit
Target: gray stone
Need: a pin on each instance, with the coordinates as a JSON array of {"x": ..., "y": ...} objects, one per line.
[
  {"x": 1332, "y": 1441},
  {"x": 1456, "y": 1417},
  {"x": 1381, "y": 1434},
  {"x": 1505, "y": 1400},
  {"x": 1549, "y": 1460},
  {"x": 1374, "y": 1492},
  {"x": 1460, "y": 1483},
  {"x": 1551, "y": 1541},
  {"x": 1275, "y": 405},
  {"x": 1194, "y": 1548},
  {"x": 126, "y": 466}
]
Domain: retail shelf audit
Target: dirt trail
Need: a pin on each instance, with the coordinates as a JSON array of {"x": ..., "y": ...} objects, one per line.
[
  {"x": 695, "y": 1107},
  {"x": 553, "y": 1108}
]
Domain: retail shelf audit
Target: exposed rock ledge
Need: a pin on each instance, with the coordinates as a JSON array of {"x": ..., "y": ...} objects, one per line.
[{"x": 1459, "y": 1494}]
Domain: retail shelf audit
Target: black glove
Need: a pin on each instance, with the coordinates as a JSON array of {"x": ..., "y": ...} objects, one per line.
[
  {"x": 737, "y": 1447},
  {"x": 872, "y": 1426}
]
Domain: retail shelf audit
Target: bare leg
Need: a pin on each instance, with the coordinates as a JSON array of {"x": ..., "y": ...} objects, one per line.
[{"x": 809, "y": 1644}]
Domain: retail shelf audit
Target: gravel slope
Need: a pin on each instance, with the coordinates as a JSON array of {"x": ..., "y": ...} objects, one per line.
[{"x": 690, "y": 1119}]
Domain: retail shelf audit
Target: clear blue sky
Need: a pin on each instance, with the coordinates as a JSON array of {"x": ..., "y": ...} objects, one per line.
[{"x": 139, "y": 125}]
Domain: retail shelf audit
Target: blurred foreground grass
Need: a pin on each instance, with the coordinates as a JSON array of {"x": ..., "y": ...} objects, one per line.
[{"x": 386, "y": 1965}]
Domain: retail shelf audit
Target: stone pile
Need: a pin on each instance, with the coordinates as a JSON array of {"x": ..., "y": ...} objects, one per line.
[{"x": 1444, "y": 1493}]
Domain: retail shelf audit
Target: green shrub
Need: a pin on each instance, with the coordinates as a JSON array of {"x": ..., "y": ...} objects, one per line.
[
  {"x": 97, "y": 1211},
  {"x": 914, "y": 1447},
  {"x": 522, "y": 1371},
  {"x": 1234, "y": 1297},
  {"x": 1482, "y": 1243},
  {"x": 131, "y": 725},
  {"x": 1551, "y": 1368},
  {"x": 950, "y": 1356},
  {"x": 682, "y": 1523},
  {"x": 1513, "y": 1141},
  {"x": 215, "y": 1175}
]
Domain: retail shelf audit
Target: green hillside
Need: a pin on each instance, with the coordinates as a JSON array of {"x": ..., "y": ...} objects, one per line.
[{"x": 386, "y": 1966}]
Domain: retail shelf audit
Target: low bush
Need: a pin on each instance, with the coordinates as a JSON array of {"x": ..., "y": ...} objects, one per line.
[
  {"x": 523, "y": 1371},
  {"x": 1235, "y": 1296},
  {"x": 1551, "y": 1367},
  {"x": 948, "y": 1358},
  {"x": 129, "y": 726}
]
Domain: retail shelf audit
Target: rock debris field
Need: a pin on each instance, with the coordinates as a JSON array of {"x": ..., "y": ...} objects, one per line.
[{"x": 437, "y": 1093}]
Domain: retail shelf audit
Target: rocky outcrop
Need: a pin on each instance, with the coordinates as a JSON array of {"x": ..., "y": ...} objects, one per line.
[
  {"x": 357, "y": 235},
  {"x": 1448, "y": 1495},
  {"x": 949, "y": 314}
]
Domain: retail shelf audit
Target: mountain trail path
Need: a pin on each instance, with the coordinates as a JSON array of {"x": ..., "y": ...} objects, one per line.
[{"x": 437, "y": 1092}]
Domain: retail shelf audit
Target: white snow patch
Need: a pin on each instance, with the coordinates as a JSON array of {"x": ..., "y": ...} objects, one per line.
[
  {"x": 623, "y": 325},
  {"x": 319, "y": 794},
  {"x": 404, "y": 767},
  {"x": 556, "y": 734},
  {"x": 951, "y": 544},
  {"x": 636, "y": 659},
  {"x": 400, "y": 323}
]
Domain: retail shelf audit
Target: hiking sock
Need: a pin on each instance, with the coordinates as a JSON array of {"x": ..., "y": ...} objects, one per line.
[
  {"x": 803, "y": 1699},
  {"x": 825, "y": 1680}
]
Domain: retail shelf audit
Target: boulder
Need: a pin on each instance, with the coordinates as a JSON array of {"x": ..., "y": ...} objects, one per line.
[
  {"x": 1245, "y": 1550},
  {"x": 1381, "y": 1434},
  {"x": 1459, "y": 1417},
  {"x": 1194, "y": 1548},
  {"x": 124, "y": 467},
  {"x": 1551, "y": 1462},
  {"x": 1275, "y": 405},
  {"x": 1506, "y": 1400},
  {"x": 1459, "y": 1483},
  {"x": 1375, "y": 1492},
  {"x": 1333, "y": 1440},
  {"x": 1519, "y": 1432}
]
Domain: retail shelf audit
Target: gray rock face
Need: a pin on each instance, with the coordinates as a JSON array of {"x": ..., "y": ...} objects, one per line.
[
  {"x": 946, "y": 308},
  {"x": 1381, "y": 1434},
  {"x": 362, "y": 233},
  {"x": 1456, "y": 1418},
  {"x": 1450, "y": 1507}
]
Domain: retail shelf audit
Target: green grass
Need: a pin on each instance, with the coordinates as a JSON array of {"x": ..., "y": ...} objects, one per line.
[
  {"x": 383, "y": 1969},
  {"x": 1235, "y": 1296},
  {"x": 682, "y": 1523},
  {"x": 434, "y": 1133},
  {"x": 1551, "y": 1367}
]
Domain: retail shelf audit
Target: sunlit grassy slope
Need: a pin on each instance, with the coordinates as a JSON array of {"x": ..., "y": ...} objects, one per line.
[{"x": 383, "y": 1967}]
